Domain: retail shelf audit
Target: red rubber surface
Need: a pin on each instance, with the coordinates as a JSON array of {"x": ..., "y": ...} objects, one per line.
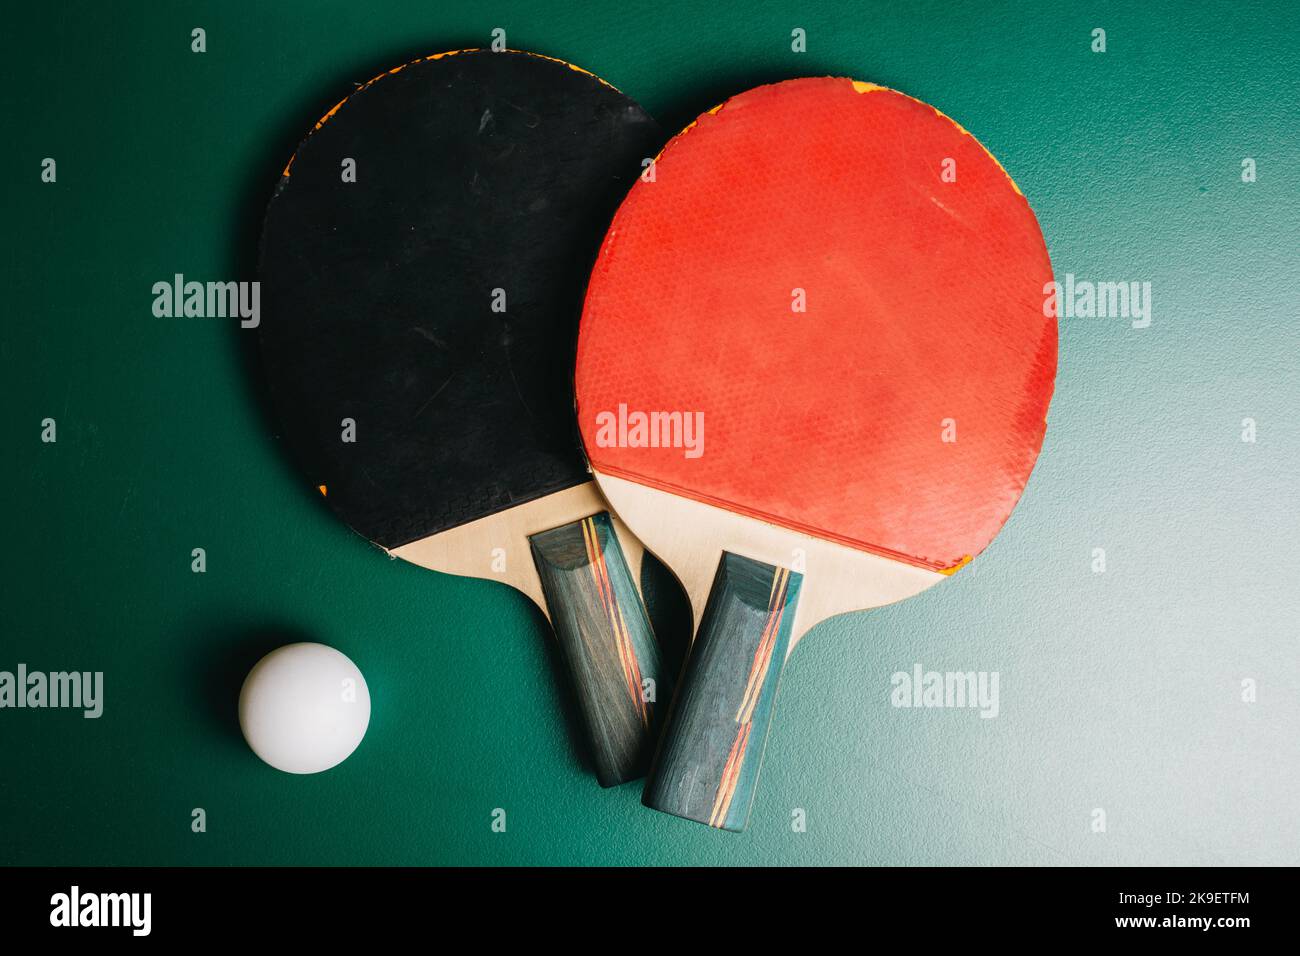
[{"x": 924, "y": 303}]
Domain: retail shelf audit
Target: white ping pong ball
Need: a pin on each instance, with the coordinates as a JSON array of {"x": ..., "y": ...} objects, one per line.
[{"x": 304, "y": 708}]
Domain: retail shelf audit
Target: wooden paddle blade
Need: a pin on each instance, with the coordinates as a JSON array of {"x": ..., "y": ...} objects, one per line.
[
  {"x": 713, "y": 746},
  {"x": 606, "y": 640}
]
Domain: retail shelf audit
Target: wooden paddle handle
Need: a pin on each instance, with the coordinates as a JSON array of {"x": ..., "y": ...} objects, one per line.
[
  {"x": 606, "y": 640},
  {"x": 708, "y": 763}
]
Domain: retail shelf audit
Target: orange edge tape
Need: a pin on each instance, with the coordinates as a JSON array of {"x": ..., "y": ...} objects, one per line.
[{"x": 424, "y": 59}]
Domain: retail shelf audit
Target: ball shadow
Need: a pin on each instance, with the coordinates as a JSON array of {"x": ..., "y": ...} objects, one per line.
[{"x": 220, "y": 663}]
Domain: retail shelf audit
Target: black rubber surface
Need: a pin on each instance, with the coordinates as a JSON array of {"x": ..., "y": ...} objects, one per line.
[{"x": 474, "y": 172}]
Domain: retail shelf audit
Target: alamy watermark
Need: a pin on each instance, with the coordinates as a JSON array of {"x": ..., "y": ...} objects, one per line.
[
  {"x": 77, "y": 690},
  {"x": 1082, "y": 299},
  {"x": 946, "y": 689},
  {"x": 75, "y": 908},
  {"x": 208, "y": 300},
  {"x": 625, "y": 429}
]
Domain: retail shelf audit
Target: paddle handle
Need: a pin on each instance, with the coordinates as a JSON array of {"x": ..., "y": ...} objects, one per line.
[
  {"x": 606, "y": 641},
  {"x": 712, "y": 749}
]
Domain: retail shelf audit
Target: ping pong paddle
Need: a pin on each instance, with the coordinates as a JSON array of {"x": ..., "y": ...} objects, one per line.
[
  {"x": 813, "y": 374},
  {"x": 423, "y": 261}
]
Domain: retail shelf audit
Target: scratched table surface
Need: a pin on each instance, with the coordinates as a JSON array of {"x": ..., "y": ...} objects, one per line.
[{"x": 1139, "y": 609}]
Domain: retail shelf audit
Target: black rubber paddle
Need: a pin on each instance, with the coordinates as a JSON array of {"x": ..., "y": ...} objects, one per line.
[{"x": 423, "y": 263}]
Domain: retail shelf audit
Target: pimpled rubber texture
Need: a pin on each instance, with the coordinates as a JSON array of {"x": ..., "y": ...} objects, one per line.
[
  {"x": 475, "y": 171},
  {"x": 712, "y": 750},
  {"x": 605, "y": 636},
  {"x": 923, "y": 320}
]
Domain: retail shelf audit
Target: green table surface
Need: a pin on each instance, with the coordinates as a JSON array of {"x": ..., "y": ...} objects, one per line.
[{"x": 1120, "y": 691}]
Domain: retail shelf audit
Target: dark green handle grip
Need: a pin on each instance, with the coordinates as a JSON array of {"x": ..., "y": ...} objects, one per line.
[
  {"x": 606, "y": 641},
  {"x": 712, "y": 749}
]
